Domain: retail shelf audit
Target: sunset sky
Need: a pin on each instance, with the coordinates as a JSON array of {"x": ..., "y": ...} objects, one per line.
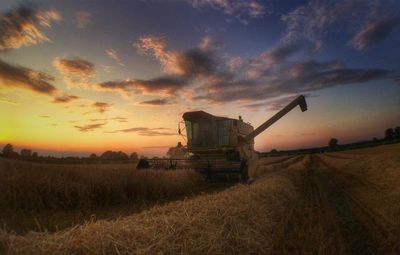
[{"x": 89, "y": 76}]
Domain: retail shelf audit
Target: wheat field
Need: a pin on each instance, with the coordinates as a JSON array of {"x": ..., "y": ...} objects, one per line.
[{"x": 333, "y": 203}]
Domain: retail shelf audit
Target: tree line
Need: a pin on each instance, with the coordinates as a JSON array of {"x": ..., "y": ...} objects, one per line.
[{"x": 8, "y": 151}]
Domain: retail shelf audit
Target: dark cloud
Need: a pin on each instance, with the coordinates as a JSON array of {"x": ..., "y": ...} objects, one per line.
[
  {"x": 101, "y": 106},
  {"x": 157, "y": 102},
  {"x": 64, "y": 99},
  {"x": 144, "y": 131},
  {"x": 292, "y": 79},
  {"x": 18, "y": 76},
  {"x": 209, "y": 76},
  {"x": 21, "y": 26},
  {"x": 200, "y": 61},
  {"x": 197, "y": 62},
  {"x": 374, "y": 31},
  {"x": 44, "y": 116},
  {"x": 75, "y": 71},
  {"x": 90, "y": 127},
  {"x": 166, "y": 85}
]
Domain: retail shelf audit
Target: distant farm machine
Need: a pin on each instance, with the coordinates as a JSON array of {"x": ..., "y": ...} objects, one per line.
[{"x": 220, "y": 147}]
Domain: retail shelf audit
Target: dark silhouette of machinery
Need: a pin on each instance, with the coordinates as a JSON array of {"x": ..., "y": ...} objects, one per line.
[{"x": 224, "y": 146}]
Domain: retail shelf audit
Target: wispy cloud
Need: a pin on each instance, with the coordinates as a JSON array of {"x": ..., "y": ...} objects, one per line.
[
  {"x": 374, "y": 31},
  {"x": 274, "y": 104},
  {"x": 113, "y": 54},
  {"x": 22, "y": 26},
  {"x": 90, "y": 127},
  {"x": 157, "y": 102},
  {"x": 101, "y": 106},
  {"x": 82, "y": 19},
  {"x": 75, "y": 71},
  {"x": 144, "y": 131},
  {"x": 157, "y": 47},
  {"x": 118, "y": 119},
  {"x": 313, "y": 21},
  {"x": 64, "y": 98},
  {"x": 241, "y": 9}
]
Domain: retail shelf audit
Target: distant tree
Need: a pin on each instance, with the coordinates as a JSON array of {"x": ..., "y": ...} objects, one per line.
[
  {"x": 93, "y": 156},
  {"x": 178, "y": 152},
  {"x": 397, "y": 132},
  {"x": 8, "y": 151},
  {"x": 26, "y": 153},
  {"x": 274, "y": 151},
  {"x": 389, "y": 134},
  {"x": 134, "y": 156},
  {"x": 122, "y": 155},
  {"x": 114, "y": 155},
  {"x": 35, "y": 155},
  {"x": 333, "y": 144}
]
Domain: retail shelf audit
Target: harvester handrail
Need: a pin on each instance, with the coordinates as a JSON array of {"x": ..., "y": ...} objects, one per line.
[{"x": 300, "y": 100}]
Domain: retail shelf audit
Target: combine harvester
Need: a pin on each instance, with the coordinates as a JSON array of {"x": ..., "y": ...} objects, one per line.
[{"x": 221, "y": 148}]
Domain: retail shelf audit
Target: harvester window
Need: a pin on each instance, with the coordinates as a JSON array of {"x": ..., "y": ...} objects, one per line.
[
  {"x": 223, "y": 132},
  {"x": 188, "y": 127}
]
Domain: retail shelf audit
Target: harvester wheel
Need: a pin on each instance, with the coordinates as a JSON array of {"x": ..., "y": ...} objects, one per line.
[{"x": 143, "y": 164}]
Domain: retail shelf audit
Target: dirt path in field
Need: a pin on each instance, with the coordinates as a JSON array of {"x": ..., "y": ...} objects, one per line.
[{"x": 329, "y": 219}]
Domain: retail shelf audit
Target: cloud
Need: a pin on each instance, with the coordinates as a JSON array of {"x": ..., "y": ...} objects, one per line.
[
  {"x": 313, "y": 21},
  {"x": 21, "y": 26},
  {"x": 26, "y": 78},
  {"x": 208, "y": 43},
  {"x": 166, "y": 85},
  {"x": 82, "y": 19},
  {"x": 241, "y": 9},
  {"x": 119, "y": 119},
  {"x": 90, "y": 127},
  {"x": 44, "y": 116},
  {"x": 194, "y": 62},
  {"x": 101, "y": 106},
  {"x": 157, "y": 102},
  {"x": 374, "y": 31},
  {"x": 6, "y": 100},
  {"x": 144, "y": 131},
  {"x": 64, "y": 98},
  {"x": 76, "y": 72},
  {"x": 113, "y": 54},
  {"x": 274, "y": 104},
  {"x": 156, "y": 47},
  {"x": 293, "y": 79},
  {"x": 205, "y": 74}
]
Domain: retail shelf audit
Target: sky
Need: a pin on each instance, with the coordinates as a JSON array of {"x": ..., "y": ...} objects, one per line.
[{"x": 87, "y": 76}]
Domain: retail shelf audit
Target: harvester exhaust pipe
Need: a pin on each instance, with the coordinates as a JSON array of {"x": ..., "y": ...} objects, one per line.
[{"x": 300, "y": 100}]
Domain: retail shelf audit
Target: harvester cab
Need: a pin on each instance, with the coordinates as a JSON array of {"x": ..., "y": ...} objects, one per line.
[{"x": 222, "y": 147}]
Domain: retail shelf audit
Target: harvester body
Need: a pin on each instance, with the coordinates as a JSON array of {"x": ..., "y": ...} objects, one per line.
[
  {"x": 223, "y": 147},
  {"x": 209, "y": 136}
]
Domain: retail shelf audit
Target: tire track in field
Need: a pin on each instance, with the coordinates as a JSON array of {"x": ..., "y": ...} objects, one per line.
[
  {"x": 312, "y": 227},
  {"x": 368, "y": 230},
  {"x": 330, "y": 218}
]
